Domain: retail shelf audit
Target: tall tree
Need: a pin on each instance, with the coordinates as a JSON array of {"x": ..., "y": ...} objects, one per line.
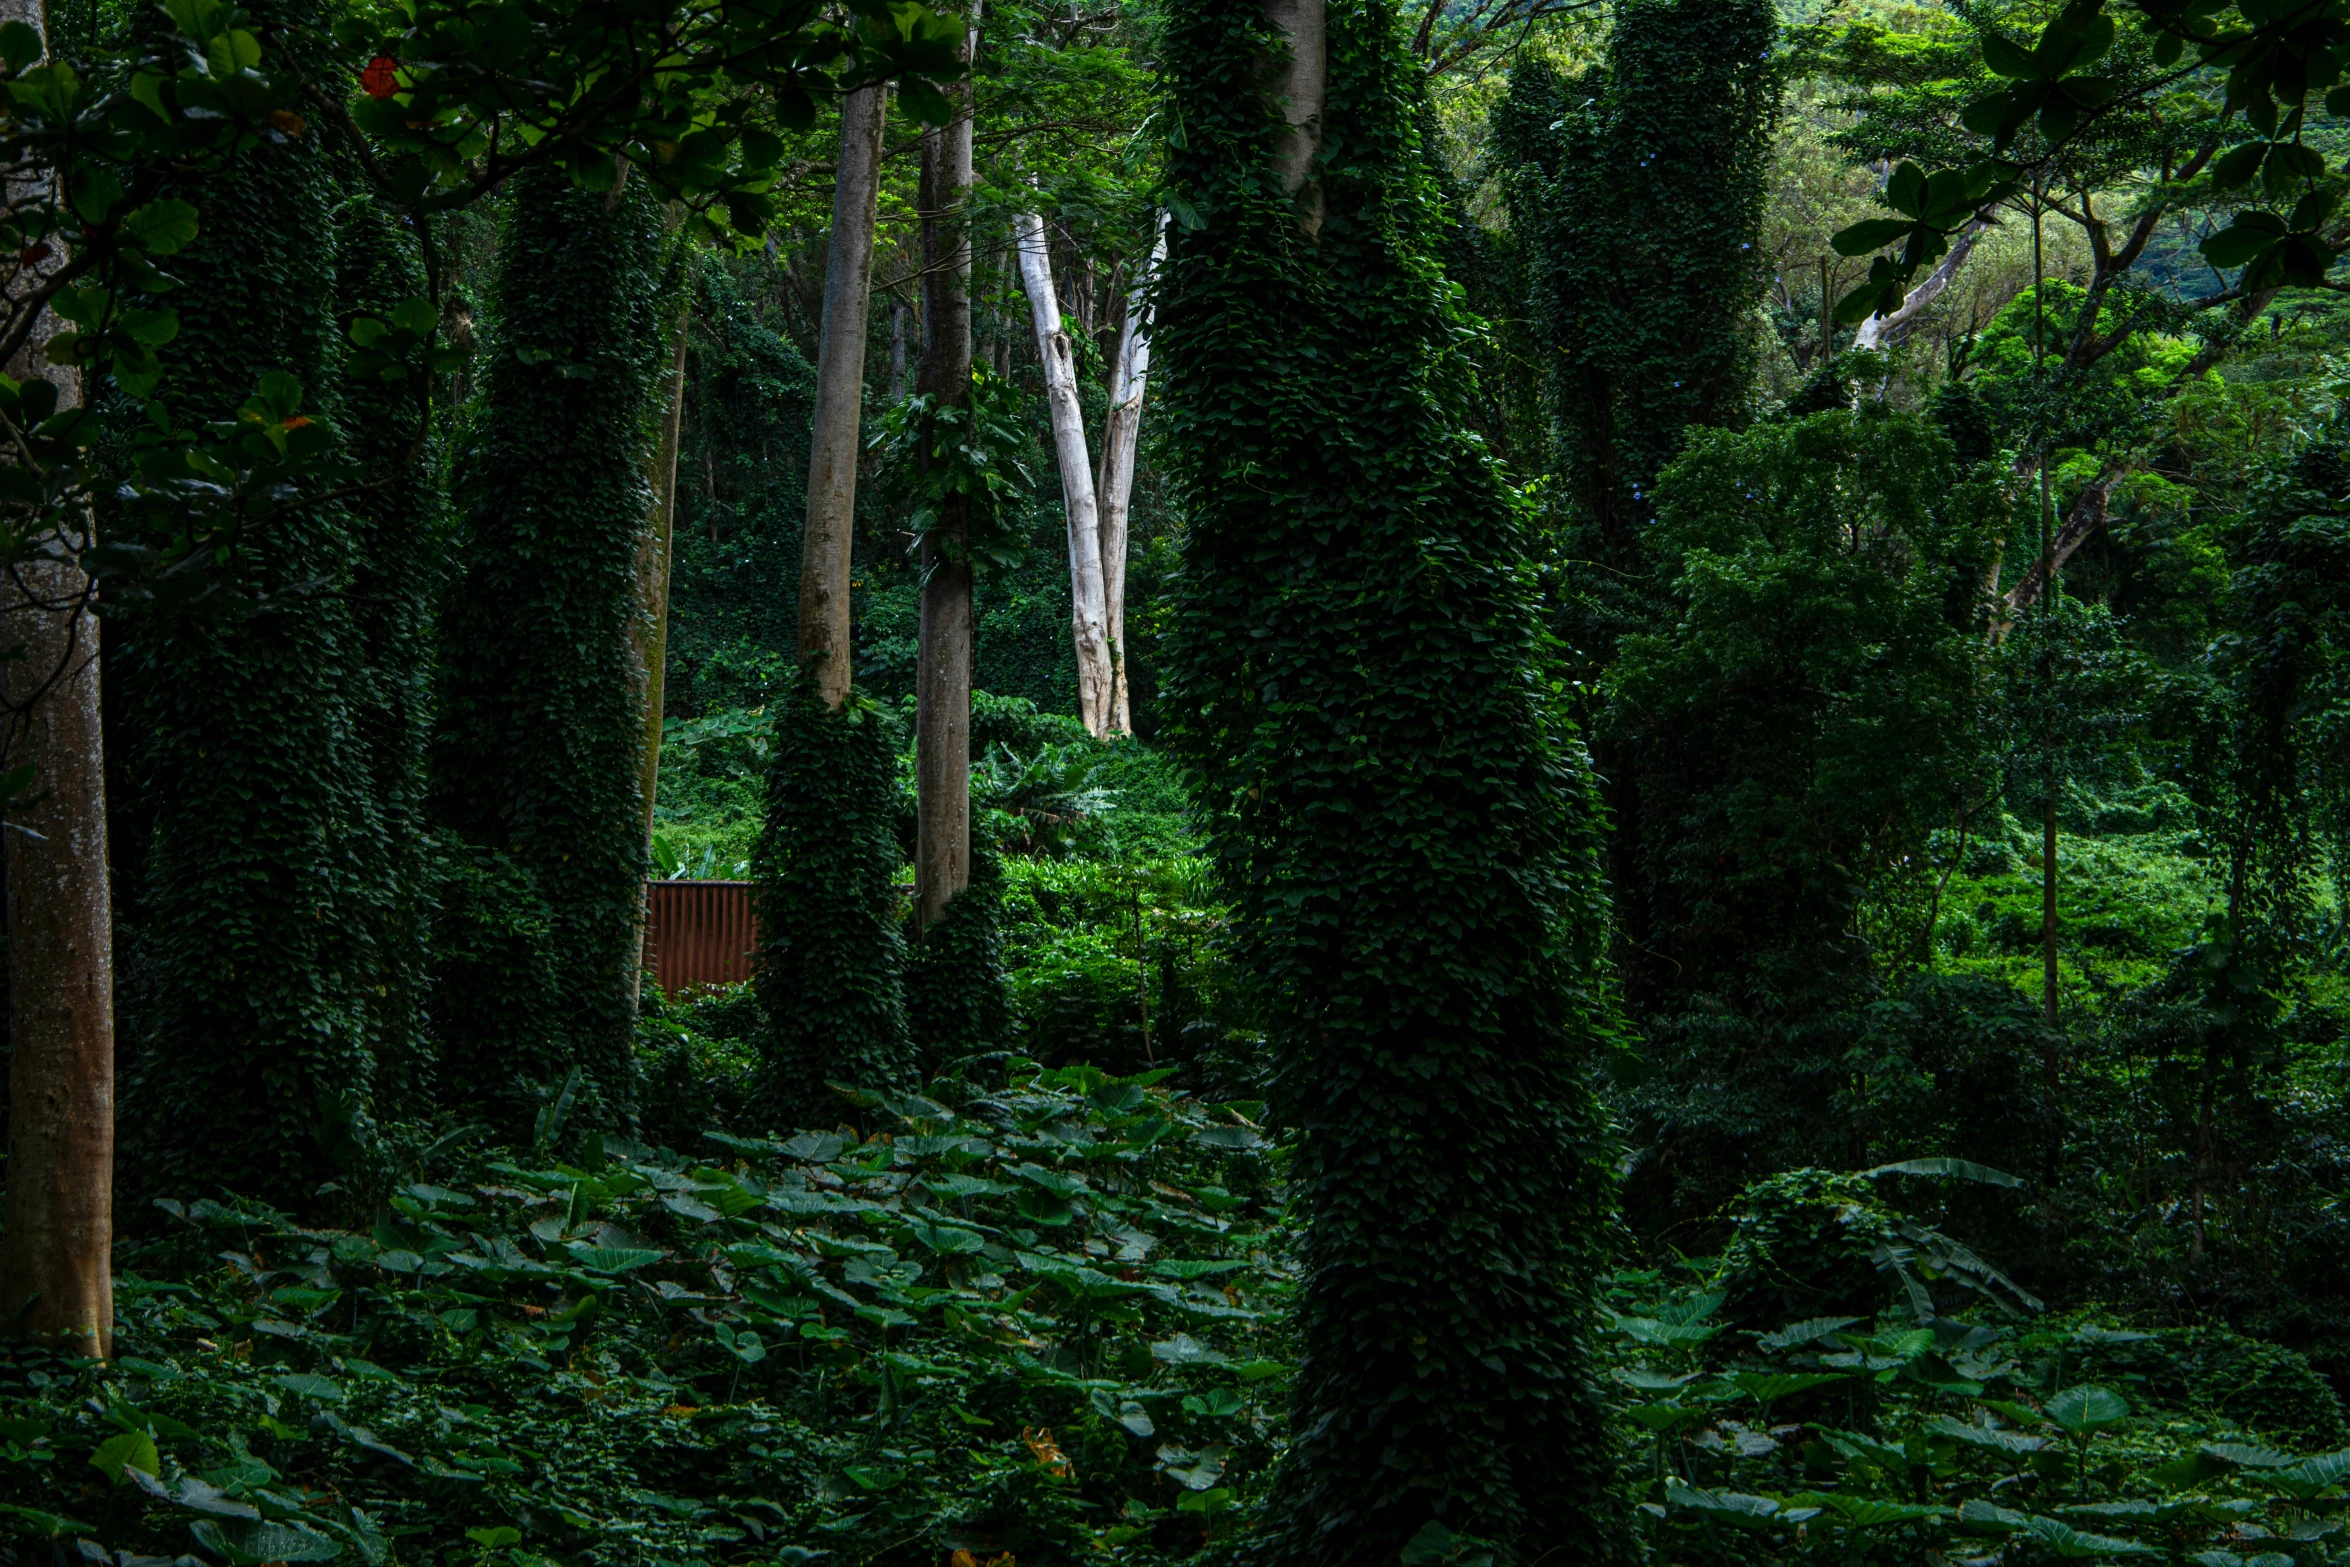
[
  {"x": 1638, "y": 188},
  {"x": 826, "y": 544},
  {"x": 257, "y": 921},
  {"x": 540, "y": 756},
  {"x": 1401, "y": 817},
  {"x": 1121, "y": 434},
  {"x": 942, "y": 719},
  {"x": 56, "y": 1250},
  {"x": 831, "y": 976},
  {"x": 1089, "y": 615}
]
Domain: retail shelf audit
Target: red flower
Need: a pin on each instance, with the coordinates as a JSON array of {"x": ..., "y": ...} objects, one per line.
[{"x": 381, "y": 78}]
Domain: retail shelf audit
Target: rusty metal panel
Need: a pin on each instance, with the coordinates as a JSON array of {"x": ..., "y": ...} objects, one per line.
[{"x": 699, "y": 933}]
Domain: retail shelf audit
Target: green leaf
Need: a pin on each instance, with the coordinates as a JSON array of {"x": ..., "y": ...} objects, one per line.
[
  {"x": 161, "y": 228},
  {"x": 1769, "y": 1387},
  {"x": 2065, "y": 1540},
  {"x": 876, "y": 1477},
  {"x": 1808, "y": 1331},
  {"x": 33, "y": 1520},
  {"x": 2006, "y": 58},
  {"x": 1731, "y": 1506},
  {"x": 325, "y": 1389},
  {"x": 1861, "y": 1512},
  {"x": 130, "y": 1450},
  {"x": 612, "y": 1259},
  {"x": 2307, "y": 1478},
  {"x": 1988, "y": 1518},
  {"x": 257, "y": 1543},
  {"x": 1955, "y": 1169},
  {"x": 2083, "y": 1411},
  {"x": 2243, "y": 241},
  {"x": 2243, "y": 1455},
  {"x": 20, "y": 45}
]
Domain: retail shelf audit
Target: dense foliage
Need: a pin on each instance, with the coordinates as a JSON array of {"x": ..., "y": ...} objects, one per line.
[{"x": 1399, "y": 816}]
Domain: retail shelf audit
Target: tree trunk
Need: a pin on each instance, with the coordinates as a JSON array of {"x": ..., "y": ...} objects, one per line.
[
  {"x": 652, "y": 597},
  {"x": 1088, "y": 609},
  {"x": 1884, "y": 331},
  {"x": 1301, "y": 82},
  {"x": 1129, "y": 374},
  {"x": 55, "y": 1278},
  {"x": 56, "y": 1253},
  {"x": 942, "y": 700},
  {"x": 840, "y": 394}
]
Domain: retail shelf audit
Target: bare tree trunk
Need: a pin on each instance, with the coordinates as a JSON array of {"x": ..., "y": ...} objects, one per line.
[
  {"x": 1300, "y": 87},
  {"x": 840, "y": 395},
  {"x": 1883, "y": 331},
  {"x": 56, "y": 1254},
  {"x": 1088, "y": 606},
  {"x": 1129, "y": 375},
  {"x": 652, "y": 603},
  {"x": 942, "y": 676}
]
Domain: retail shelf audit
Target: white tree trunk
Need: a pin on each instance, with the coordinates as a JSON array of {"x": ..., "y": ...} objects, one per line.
[
  {"x": 1884, "y": 331},
  {"x": 1088, "y": 607},
  {"x": 1129, "y": 373}
]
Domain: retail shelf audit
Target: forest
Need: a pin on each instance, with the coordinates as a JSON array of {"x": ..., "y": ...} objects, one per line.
[{"x": 1470, "y": 783}]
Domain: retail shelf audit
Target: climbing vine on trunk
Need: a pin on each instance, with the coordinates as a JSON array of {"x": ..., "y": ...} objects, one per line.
[{"x": 1360, "y": 682}]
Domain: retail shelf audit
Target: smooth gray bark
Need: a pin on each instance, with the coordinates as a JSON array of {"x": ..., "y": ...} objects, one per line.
[{"x": 840, "y": 397}]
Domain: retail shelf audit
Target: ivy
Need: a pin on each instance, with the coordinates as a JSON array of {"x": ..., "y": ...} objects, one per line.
[
  {"x": 255, "y": 920},
  {"x": 1359, "y": 682},
  {"x": 831, "y": 972},
  {"x": 540, "y": 725}
]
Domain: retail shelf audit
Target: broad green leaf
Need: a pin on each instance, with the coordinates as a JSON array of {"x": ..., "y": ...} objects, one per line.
[
  {"x": 1809, "y": 1331},
  {"x": 612, "y": 1259},
  {"x": 325, "y": 1389},
  {"x": 2067, "y": 1541},
  {"x": 1862, "y": 1512},
  {"x": 1990, "y": 1439},
  {"x": 2245, "y": 1456},
  {"x": 130, "y": 1450},
  {"x": 2307, "y": 1478},
  {"x": 2083, "y": 1411},
  {"x": 1989, "y": 1518},
  {"x": 1769, "y": 1387},
  {"x": 255, "y": 1543},
  {"x": 1955, "y": 1169},
  {"x": 33, "y": 1520},
  {"x": 1731, "y": 1506}
]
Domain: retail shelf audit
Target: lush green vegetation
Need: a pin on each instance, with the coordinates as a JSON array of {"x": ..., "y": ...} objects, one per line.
[{"x": 1714, "y": 928}]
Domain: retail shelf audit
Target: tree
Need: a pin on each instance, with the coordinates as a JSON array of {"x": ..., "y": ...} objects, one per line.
[
  {"x": 251, "y": 818},
  {"x": 834, "y": 447},
  {"x": 542, "y": 734},
  {"x": 1638, "y": 190},
  {"x": 1089, "y": 612},
  {"x": 942, "y": 715},
  {"x": 1129, "y": 379},
  {"x": 1397, "y": 809},
  {"x": 56, "y": 1248}
]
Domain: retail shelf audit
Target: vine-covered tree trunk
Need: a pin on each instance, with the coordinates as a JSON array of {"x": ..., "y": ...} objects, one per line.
[
  {"x": 255, "y": 977},
  {"x": 540, "y": 755},
  {"x": 825, "y": 546},
  {"x": 1638, "y": 191},
  {"x": 397, "y": 578},
  {"x": 1359, "y": 673},
  {"x": 1089, "y": 615},
  {"x": 942, "y": 676}
]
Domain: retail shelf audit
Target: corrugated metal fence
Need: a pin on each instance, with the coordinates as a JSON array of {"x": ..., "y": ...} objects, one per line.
[{"x": 699, "y": 933}]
